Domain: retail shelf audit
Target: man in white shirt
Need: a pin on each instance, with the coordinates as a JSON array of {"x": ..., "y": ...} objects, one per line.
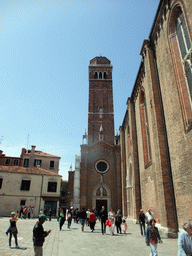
[{"x": 149, "y": 215}]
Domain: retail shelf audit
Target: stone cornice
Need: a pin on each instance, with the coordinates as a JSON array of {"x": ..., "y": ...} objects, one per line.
[
  {"x": 139, "y": 80},
  {"x": 158, "y": 23}
]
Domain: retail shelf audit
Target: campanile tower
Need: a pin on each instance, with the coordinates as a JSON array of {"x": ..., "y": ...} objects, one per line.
[
  {"x": 100, "y": 116},
  {"x": 100, "y": 166}
]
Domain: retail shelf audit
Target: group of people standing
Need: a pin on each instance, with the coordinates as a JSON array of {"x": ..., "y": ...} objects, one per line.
[
  {"x": 145, "y": 219},
  {"x": 152, "y": 236},
  {"x": 90, "y": 217},
  {"x": 25, "y": 212}
]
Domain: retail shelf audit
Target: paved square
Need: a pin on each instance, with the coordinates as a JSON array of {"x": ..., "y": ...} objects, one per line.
[{"x": 74, "y": 242}]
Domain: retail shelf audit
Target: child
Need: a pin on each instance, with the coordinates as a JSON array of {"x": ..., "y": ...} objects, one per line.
[{"x": 124, "y": 226}]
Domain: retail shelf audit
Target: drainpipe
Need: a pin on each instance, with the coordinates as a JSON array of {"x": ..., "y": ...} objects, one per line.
[{"x": 41, "y": 194}]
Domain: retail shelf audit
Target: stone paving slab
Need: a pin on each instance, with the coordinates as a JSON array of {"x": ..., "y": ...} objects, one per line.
[{"x": 74, "y": 242}]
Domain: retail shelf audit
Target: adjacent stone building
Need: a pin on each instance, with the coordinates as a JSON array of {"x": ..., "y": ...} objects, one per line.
[
  {"x": 100, "y": 166},
  {"x": 156, "y": 135},
  {"x": 34, "y": 158},
  {"x": 37, "y": 182},
  {"x": 34, "y": 186},
  {"x": 9, "y": 160}
]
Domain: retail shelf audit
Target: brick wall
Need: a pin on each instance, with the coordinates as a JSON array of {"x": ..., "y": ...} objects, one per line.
[{"x": 164, "y": 185}]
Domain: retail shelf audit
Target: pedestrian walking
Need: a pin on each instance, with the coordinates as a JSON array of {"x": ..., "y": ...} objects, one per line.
[
  {"x": 21, "y": 212},
  {"x": 103, "y": 218},
  {"x": 152, "y": 237},
  {"x": 25, "y": 212},
  {"x": 87, "y": 219},
  {"x": 41, "y": 211},
  {"x": 82, "y": 217},
  {"x": 76, "y": 215},
  {"x": 12, "y": 230},
  {"x": 69, "y": 218},
  {"x": 185, "y": 240},
  {"x": 96, "y": 213},
  {"x": 142, "y": 222},
  {"x": 39, "y": 235},
  {"x": 111, "y": 217},
  {"x": 124, "y": 226},
  {"x": 50, "y": 213},
  {"x": 29, "y": 212},
  {"x": 118, "y": 221},
  {"x": 61, "y": 218},
  {"x": 92, "y": 220},
  {"x": 149, "y": 216}
]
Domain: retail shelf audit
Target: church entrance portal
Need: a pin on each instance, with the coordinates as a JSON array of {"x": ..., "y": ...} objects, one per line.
[{"x": 99, "y": 204}]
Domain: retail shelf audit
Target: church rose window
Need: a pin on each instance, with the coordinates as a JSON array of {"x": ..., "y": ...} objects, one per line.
[{"x": 102, "y": 166}]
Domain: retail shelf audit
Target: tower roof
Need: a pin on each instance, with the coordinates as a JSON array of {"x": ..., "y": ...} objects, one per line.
[{"x": 97, "y": 61}]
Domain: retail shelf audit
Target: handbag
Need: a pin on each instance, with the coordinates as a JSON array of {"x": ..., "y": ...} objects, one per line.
[
  {"x": 108, "y": 223},
  {"x": 13, "y": 230}
]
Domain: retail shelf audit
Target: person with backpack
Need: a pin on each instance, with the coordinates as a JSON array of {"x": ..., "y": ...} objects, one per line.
[{"x": 118, "y": 221}]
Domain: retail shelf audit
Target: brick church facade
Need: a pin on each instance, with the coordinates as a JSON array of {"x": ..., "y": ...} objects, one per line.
[
  {"x": 100, "y": 165},
  {"x": 156, "y": 134}
]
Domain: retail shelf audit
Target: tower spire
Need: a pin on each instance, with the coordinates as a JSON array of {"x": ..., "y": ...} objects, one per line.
[{"x": 100, "y": 101}]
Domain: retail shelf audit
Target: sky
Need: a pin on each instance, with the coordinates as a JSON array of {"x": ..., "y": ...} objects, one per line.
[{"x": 45, "y": 50}]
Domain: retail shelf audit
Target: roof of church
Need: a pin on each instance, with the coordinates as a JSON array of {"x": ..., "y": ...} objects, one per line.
[
  {"x": 100, "y": 60},
  {"x": 26, "y": 170}
]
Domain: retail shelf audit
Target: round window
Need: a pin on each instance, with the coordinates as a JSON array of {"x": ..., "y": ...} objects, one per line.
[{"x": 102, "y": 166}]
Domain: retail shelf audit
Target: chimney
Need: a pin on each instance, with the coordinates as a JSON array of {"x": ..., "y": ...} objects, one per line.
[
  {"x": 33, "y": 149},
  {"x": 31, "y": 156}
]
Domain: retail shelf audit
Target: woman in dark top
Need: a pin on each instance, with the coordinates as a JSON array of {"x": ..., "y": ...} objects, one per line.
[
  {"x": 152, "y": 237},
  {"x": 13, "y": 228},
  {"x": 118, "y": 221},
  {"x": 142, "y": 222}
]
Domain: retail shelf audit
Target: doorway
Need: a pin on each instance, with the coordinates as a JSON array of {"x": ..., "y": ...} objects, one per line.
[
  {"x": 48, "y": 205},
  {"x": 100, "y": 203}
]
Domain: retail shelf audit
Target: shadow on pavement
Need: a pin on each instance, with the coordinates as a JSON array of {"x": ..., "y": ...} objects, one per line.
[{"x": 19, "y": 248}]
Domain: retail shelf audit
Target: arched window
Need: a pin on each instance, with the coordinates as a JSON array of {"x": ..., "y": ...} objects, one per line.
[
  {"x": 180, "y": 44},
  {"x": 100, "y": 75},
  {"x": 105, "y": 75},
  {"x": 96, "y": 75},
  {"x": 145, "y": 130},
  {"x": 185, "y": 48}
]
